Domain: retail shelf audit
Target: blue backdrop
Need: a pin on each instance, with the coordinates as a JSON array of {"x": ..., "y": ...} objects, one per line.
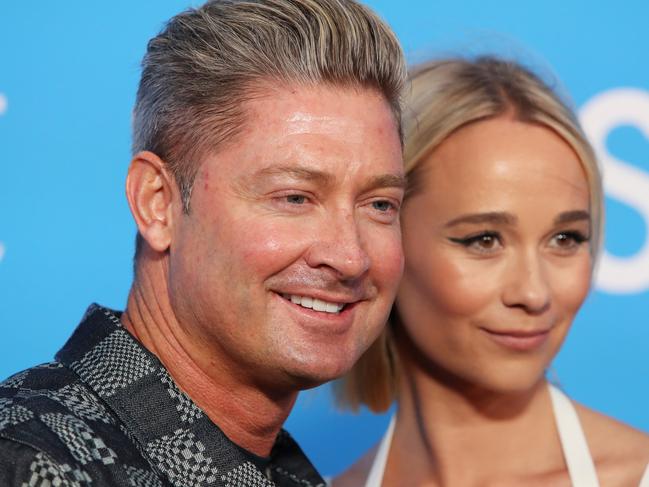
[{"x": 68, "y": 75}]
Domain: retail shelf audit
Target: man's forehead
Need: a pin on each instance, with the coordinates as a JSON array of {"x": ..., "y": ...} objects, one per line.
[
  {"x": 304, "y": 121},
  {"x": 314, "y": 132},
  {"x": 301, "y": 104}
]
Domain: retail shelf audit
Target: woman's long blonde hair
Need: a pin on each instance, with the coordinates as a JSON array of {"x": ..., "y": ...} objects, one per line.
[{"x": 444, "y": 95}]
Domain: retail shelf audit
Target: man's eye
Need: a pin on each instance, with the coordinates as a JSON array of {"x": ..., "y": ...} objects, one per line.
[
  {"x": 383, "y": 205},
  {"x": 296, "y": 199}
]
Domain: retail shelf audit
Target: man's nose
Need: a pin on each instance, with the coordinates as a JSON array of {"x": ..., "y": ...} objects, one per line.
[
  {"x": 527, "y": 285},
  {"x": 338, "y": 245}
]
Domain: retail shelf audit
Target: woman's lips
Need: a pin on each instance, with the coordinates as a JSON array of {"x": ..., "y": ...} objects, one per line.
[{"x": 522, "y": 341}]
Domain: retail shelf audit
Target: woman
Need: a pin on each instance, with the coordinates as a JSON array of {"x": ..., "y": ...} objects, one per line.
[{"x": 501, "y": 228}]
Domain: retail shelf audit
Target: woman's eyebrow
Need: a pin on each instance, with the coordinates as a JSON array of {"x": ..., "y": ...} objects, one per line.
[
  {"x": 572, "y": 216},
  {"x": 493, "y": 217}
]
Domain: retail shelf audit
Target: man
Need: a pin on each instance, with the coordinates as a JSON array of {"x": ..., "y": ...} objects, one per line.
[{"x": 265, "y": 183}]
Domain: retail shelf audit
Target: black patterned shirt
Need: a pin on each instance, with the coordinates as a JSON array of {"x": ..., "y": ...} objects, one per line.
[{"x": 107, "y": 413}]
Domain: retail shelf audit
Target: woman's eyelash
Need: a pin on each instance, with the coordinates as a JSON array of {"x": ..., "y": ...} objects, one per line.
[
  {"x": 472, "y": 239},
  {"x": 490, "y": 238},
  {"x": 570, "y": 238},
  {"x": 577, "y": 236}
]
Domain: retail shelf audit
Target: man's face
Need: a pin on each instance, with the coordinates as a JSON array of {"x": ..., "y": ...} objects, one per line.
[{"x": 286, "y": 267}]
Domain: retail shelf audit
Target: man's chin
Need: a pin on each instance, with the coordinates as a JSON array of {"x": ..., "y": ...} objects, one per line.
[{"x": 304, "y": 378}]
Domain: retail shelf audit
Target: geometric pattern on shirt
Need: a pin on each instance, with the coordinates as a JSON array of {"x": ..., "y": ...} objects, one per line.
[
  {"x": 12, "y": 415},
  {"x": 246, "y": 475},
  {"x": 95, "y": 345},
  {"x": 181, "y": 457},
  {"x": 74, "y": 397},
  {"x": 139, "y": 478},
  {"x": 185, "y": 406},
  {"x": 297, "y": 480},
  {"x": 107, "y": 313},
  {"x": 82, "y": 442},
  {"x": 83, "y": 404},
  {"x": 15, "y": 381},
  {"x": 46, "y": 473},
  {"x": 114, "y": 363},
  {"x": 48, "y": 366}
]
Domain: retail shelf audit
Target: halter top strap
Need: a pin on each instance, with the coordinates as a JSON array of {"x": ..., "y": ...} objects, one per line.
[
  {"x": 375, "y": 476},
  {"x": 573, "y": 443},
  {"x": 644, "y": 482}
]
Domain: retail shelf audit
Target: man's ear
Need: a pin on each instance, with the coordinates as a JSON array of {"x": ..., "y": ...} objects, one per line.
[{"x": 150, "y": 191}]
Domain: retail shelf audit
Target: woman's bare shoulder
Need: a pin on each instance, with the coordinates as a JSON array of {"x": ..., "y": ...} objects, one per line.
[
  {"x": 356, "y": 475},
  {"x": 620, "y": 452}
]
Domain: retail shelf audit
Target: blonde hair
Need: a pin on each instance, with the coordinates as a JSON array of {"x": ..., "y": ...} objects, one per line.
[
  {"x": 445, "y": 95},
  {"x": 198, "y": 72}
]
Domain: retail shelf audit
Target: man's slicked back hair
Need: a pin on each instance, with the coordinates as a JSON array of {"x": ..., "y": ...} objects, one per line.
[{"x": 198, "y": 72}]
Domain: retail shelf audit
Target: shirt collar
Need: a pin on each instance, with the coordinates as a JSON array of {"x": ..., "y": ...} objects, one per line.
[{"x": 163, "y": 421}]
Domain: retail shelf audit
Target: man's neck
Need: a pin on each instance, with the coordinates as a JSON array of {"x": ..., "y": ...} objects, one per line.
[{"x": 247, "y": 415}]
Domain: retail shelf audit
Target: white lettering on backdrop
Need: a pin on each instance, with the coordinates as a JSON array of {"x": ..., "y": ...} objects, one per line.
[{"x": 622, "y": 181}]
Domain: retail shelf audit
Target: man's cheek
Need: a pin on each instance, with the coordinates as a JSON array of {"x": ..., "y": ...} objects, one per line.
[
  {"x": 390, "y": 259},
  {"x": 276, "y": 244}
]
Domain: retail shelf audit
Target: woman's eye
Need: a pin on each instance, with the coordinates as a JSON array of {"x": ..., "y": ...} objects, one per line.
[
  {"x": 483, "y": 242},
  {"x": 568, "y": 240},
  {"x": 486, "y": 241}
]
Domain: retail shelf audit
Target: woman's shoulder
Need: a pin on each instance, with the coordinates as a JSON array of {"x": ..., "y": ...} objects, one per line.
[
  {"x": 356, "y": 475},
  {"x": 620, "y": 452}
]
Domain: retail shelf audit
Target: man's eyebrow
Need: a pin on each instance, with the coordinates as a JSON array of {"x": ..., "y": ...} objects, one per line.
[
  {"x": 572, "y": 216},
  {"x": 493, "y": 217},
  {"x": 386, "y": 181},
  {"x": 296, "y": 172},
  {"x": 326, "y": 179}
]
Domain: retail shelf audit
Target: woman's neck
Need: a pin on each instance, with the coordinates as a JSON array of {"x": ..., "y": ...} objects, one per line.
[{"x": 453, "y": 434}]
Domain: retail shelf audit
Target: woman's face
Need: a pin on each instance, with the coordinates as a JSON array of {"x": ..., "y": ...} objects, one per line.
[{"x": 497, "y": 254}]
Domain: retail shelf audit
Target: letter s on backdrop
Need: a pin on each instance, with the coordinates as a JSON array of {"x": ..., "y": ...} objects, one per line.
[{"x": 622, "y": 181}]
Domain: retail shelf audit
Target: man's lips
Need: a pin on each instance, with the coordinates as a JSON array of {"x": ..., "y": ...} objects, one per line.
[
  {"x": 332, "y": 305},
  {"x": 323, "y": 302},
  {"x": 338, "y": 320},
  {"x": 519, "y": 340}
]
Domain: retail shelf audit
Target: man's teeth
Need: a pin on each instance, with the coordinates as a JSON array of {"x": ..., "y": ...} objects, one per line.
[{"x": 315, "y": 304}]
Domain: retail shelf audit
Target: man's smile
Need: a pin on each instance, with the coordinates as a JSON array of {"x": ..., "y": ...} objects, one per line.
[{"x": 314, "y": 303}]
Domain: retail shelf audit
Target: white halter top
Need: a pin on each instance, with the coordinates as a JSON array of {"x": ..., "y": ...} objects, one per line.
[{"x": 573, "y": 443}]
